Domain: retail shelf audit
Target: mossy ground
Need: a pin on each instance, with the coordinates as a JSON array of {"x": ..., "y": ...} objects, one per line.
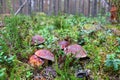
[{"x": 95, "y": 36}]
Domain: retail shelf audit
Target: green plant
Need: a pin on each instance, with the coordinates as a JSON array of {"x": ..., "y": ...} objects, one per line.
[
  {"x": 71, "y": 33},
  {"x": 118, "y": 50},
  {"x": 3, "y": 45},
  {"x": 2, "y": 74},
  {"x": 12, "y": 28},
  {"x": 65, "y": 73},
  {"x": 118, "y": 39},
  {"x": 15, "y": 34},
  {"x": 61, "y": 22},
  {"x": 50, "y": 39},
  {"x": 20, "y": 71},
  {"x": 112, "y": 61},
  {"x": 29, "y": 74},
  {"x": 5, "y": 60},
  {"x": 97, "y": 62},
  {"x": 118, "y": 47}
]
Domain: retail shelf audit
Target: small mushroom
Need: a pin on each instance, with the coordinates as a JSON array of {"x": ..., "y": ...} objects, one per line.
[
  {"x": 113, "y": 12},
  {"x": 37, "y": 39},
  {"x": 45, "y": 54},
  {"x": 76, "y": 50},
  {"x": 63, "y": 44},
  {"x": 35, "y": 61},
  {"x": 83, "y": 73}
]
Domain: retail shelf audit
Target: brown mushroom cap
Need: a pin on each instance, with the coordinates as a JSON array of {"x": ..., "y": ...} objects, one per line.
[
  {"x": 37, "y": 39},
  {"x": 45, "y": 54},
  {"x": 113, "y": 8},
  {"x": 35, "y": 61},
  {"x": 63, "y": 44},
  {"x": 76, "y": 50}
]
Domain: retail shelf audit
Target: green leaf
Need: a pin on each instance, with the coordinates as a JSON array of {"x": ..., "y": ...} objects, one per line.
[{"x": 115, "y": 66}]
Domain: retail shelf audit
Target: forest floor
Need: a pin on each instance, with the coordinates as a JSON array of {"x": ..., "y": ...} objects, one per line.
[{"x": 93, "y": 44}]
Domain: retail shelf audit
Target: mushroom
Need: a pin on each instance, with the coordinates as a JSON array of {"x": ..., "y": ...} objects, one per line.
[
  {"x": 37, "y": 39},
  {"x": 83, "y": 74},
  {"x": 113, "y": 12},
  {"x": 63, "y": 44},
  {"x": 35, "y": 61},
  {"x": 76, "y": 50},
  {"x": 78, "y": 53},
  {"x": 45, "y": 54}
]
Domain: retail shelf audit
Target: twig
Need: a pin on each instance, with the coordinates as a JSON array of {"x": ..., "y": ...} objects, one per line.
[{"x": 20, "y": 8}]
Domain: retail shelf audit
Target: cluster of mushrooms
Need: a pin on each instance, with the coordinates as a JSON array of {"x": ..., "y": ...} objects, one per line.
[
  {"x": 42, "y": 55},
  {"x": 73, "y": 49}
]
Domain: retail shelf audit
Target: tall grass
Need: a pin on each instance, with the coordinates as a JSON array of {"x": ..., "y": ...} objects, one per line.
[{"x": 16, "y": 30}]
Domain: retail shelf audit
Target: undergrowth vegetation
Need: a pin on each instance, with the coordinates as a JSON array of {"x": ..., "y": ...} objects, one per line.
[{"x": 95, "y": 35}]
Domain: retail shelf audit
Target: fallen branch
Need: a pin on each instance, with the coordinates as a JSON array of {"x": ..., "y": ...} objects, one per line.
[{"x": 20, "y": 8}]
